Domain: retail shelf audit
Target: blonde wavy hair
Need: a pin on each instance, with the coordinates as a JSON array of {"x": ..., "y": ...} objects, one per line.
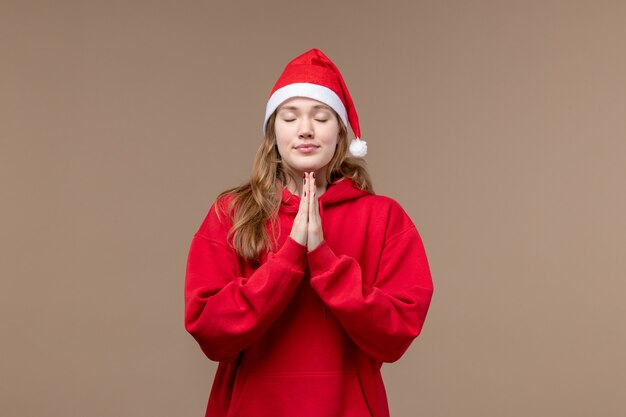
[{"x": 254, "y": 207}]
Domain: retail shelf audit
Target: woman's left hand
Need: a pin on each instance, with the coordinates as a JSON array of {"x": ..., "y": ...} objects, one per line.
[{"x": 315, "y": 234}]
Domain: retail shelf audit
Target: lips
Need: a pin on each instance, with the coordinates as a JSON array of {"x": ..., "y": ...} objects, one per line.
[{"x": 306, "y": 148}]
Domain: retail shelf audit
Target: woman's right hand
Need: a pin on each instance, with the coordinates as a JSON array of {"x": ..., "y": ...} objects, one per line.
[{"x": 301, "y": 222}]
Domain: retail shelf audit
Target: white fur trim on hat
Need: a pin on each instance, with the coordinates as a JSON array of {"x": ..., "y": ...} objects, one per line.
[
  {"x": 358, "y": 148},
  {"x": 314, "y": 91}
]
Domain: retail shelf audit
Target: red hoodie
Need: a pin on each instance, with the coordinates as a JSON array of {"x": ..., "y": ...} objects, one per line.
[{"x": 305, "y": 333}]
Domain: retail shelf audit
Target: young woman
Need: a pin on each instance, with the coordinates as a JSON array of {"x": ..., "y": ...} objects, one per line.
[{"x": 302, "y": 282}]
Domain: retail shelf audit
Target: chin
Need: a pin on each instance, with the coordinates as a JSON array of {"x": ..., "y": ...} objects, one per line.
[
  {"x": 308, "y": 163},
  {"x": 308, "y": 167},
  {"x": 312, "y": 166}
]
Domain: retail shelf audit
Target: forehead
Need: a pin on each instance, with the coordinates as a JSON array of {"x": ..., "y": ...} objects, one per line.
[{"x": 302, "y": 103}]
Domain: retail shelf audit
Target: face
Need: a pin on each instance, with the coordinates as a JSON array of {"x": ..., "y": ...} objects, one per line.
[{"x": 306, "y": 134}]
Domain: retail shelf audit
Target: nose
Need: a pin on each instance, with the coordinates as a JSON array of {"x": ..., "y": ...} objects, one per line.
[{"x": 305, "y": 129}]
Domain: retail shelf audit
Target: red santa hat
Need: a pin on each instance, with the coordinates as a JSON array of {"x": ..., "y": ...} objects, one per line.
[{"x": 314, "y": 75}]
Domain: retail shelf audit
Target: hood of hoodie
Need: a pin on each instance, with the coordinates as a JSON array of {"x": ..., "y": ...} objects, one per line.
[{"x": 336, "y": 193}]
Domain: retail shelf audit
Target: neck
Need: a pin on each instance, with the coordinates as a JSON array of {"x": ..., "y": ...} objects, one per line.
[{"x": 294, "y": 184}]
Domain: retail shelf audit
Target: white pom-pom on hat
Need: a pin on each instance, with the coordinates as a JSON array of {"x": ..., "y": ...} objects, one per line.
[{"x": 358, "y": 148}]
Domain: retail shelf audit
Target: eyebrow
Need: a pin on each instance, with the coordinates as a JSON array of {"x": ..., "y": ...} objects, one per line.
[{"x": 317, "y": 106}]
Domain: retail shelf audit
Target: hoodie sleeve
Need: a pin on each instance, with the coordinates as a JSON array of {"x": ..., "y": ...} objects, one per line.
[
  {"x": 383, "y": 319},
  {"x": 225, "y": 312}
]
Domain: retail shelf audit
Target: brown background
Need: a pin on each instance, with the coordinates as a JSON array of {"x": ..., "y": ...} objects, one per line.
[{"x": 500, "y": 126}]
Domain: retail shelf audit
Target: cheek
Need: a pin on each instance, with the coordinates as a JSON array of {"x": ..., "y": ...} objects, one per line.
[
  {"x": 281, "y": 138},
  {"x": 281, "y": 146},
  {"x": 330, "y": 136},
  {"x": 281, "y": 142},
  {"x": 330, "y": 145}
]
